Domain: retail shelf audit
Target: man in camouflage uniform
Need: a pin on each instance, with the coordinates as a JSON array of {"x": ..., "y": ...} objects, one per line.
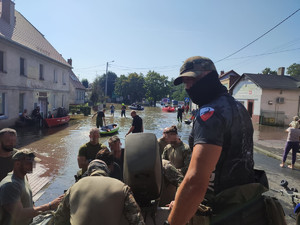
[
  {"x": 177, "y": 152},
  {"x": 162, "y": 142},
  {"x": 98, "y": 199}
]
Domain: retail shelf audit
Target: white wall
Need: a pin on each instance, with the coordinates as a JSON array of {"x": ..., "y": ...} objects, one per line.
[
  {"x": 289, "y": 106},
  {"x": 246, "y": 90},
  {"x": 12, "y": 83}
]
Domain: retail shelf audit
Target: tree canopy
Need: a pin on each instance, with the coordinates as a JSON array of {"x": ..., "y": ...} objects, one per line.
[
  {"x": 156, "y": 86},
  {"x": 177, "y": 92},
  {"x": 268, "y": 70},
  {"x": 136, "y": 87},
  {"x": 85, "y": 83},
  {"x": 294, "y": 70}
]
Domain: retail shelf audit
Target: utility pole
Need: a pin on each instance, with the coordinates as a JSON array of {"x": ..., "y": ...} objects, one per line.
[{"x": 106, "y": 77}]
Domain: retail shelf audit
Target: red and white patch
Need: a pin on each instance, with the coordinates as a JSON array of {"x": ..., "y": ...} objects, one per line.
[{"x": 206, "y": 113}]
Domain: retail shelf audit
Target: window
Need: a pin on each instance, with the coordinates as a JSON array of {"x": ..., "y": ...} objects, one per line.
[
  {"x": 21, "y": 102},
  {"x": 54, "y": 101},
  {"x": 1, "y": 61},
  {"x": 54, "y": 77},
  {"x": 41, "y": 72},
  {"x": 62, "y": 101},
  {"x": 2, "y": 104},
  {"x": 63, "y": 78},
  {"x": 22, "y": 66}
]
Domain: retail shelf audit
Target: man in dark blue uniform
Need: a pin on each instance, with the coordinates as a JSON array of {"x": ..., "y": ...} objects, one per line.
[
  {"x": 137, "y": 123},
  {"x": 222, "y": 143}
]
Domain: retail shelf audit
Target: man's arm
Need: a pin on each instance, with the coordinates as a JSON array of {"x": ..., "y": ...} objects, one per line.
[
  {"x": 130, "y": 130},
  {"x": 82, "y": 162},
  {"x": 164, "y": 155},
  {"x": 104, "y": 121},
  {"x": 82, "y": 158},
  {"x": 132, "y": 211},
  {"x": 19, "y": 213},
  {"x": 192, "y": 190},
  {"x": 94, "y": 114},
  {"x": 62, "y": 214},
  {"x": 187, "y": 153}
]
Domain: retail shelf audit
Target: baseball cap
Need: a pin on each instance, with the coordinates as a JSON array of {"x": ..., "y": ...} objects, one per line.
[
  {"x": 193, "y": 67},
  {"x": 26, "y": 154}
]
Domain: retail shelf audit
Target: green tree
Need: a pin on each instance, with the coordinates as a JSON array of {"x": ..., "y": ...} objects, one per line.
[
  {"x": 156, "y": 86},
  {"x": 177, "y": 92},
  {"x": 98, "y": 90},
  {"x": 85, "y": 83},
  {"x": 294, "y": 70},
  {"x": 131, "y": 88},
  {"x": 122, "y": 87},
  {"x": 268, "y": 71},
  {"x": 111, "y": 82},
  {"x": 136, "y": 90}
]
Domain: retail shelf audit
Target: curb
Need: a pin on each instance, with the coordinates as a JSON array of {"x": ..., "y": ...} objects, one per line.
[{"x": 271, "y": 154}]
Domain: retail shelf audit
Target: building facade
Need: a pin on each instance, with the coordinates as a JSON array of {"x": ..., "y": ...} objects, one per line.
[
  {"x": 228, "y": 78},
  {"x": 32, "y": 72},
  {"x": 269, "y": 99}
]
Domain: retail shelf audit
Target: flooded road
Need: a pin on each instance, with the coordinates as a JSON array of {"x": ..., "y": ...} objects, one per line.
[{"x": 58, "y": 147}]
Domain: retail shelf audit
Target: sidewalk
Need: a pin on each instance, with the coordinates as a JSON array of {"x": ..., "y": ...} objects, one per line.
[{"x": 275, "y": 149}]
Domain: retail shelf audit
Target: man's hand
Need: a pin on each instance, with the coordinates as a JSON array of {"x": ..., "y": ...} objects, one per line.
[
  {"x": 170, "y": 205},
  {"x": 54, "y": 203}
]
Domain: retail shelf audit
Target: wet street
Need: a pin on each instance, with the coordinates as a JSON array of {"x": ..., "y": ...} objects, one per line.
[{"x": 58, "y": 147}]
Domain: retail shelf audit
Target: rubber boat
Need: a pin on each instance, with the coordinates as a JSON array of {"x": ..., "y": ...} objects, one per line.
[
  {"x": 54, "y": 122},
  {"x": 110, "y": 129},
  {"x": 136, "y": 107},
  {"x": 168, "y": 109},
  {"x": 188, "y": 121}
]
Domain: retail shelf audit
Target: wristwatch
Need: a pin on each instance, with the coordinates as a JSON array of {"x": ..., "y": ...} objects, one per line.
[{"x": 166, "y": 222}]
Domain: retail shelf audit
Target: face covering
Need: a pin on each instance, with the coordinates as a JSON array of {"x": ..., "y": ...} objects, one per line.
[{"x": 206, "y": 89}]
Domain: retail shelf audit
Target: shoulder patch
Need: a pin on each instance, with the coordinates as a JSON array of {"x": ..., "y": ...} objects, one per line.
[{"x": 206, "y": 113}]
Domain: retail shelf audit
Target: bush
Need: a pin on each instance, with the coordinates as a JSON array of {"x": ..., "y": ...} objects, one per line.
[{"x": 85, "y": 109}]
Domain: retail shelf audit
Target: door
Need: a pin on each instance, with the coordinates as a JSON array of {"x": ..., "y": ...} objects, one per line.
[
  {"x": 250, "y": 107},
  {"x": 43, "y": 107}
]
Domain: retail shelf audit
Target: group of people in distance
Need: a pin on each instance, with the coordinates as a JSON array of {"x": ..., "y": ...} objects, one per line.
[
  {"x": 184, "y": 110},
  {"x": 215, "y": 171}
]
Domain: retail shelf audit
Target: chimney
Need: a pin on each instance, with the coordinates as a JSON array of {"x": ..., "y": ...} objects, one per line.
[
  {"x": 70, "y": 61},
  {"x": 8, "y": 11},
  {"x": 280, "y": 71},
  {"x": 222, "y": 72}
]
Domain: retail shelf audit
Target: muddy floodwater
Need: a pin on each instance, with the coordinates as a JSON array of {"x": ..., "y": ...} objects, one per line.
[{"x": 58, "y": 147}]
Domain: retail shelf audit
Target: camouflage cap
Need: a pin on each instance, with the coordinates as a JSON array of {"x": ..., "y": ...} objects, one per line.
[
  {"x": 26, "y": 154},
  {"x": 96, "y": 165},
  {"x": 193, "y": 67}
]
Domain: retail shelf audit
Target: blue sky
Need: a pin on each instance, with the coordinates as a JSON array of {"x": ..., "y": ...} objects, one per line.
[{"x": 140, "y": 35}]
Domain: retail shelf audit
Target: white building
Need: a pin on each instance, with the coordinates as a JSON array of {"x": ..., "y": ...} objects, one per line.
[
  {"x": 269, "y": 99},
  {"x": 32, "y": 72}
]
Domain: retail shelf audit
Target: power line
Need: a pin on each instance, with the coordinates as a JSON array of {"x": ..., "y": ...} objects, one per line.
[
  {"x": 258, "y": 37},
  {"x": 262, "y": 54}
]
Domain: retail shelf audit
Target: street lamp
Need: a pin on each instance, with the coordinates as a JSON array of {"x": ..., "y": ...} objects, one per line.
[{"x": 106, "y": 76}]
